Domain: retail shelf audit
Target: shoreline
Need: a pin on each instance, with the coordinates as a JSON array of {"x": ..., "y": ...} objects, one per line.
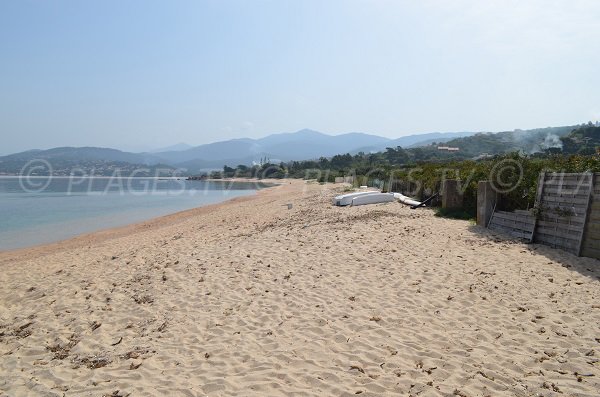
[{"x": 103, "y": 235}]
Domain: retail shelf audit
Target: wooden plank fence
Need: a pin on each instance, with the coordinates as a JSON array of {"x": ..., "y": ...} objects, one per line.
[
  {"x": 591, "y": 242},
  {"x": 567, "y": 214},
  {"x": 563, "y": 203},
  {"x": 519, "y": 224}
]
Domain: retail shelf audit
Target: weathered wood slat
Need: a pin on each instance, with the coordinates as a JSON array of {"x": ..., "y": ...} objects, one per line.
[
  {"x": 514, "y": 217},
  {"x": 517, "y": 225},
  {"x": 556, "y": 242},
  {"x": 512, "y": 232},
  {"x": 586, "y": 215},
  {"x": 554, "y": 175},
  {"x": 526, "y": 227},
  {"x": 572, "y": 220},
  {"x": 566, "y": 234},
  {"x": 563, "y": 226},
  {"x": 569, "y": 185},
  {"x": 574, "y": 201},
  {"x": 573, "y": 192}
]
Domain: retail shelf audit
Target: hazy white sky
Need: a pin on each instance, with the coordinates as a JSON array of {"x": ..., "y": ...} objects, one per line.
[{"x": 145, "y": 74}]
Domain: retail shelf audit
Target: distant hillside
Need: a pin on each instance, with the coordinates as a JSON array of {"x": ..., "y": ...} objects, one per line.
[
  {"x": 310, "y": 145},
  {"x": 177, "y": 147},
  {"x": 301, "y": 145},
  {"x": 526, "y": 141},
  {"x": 88, "y": 160},
  {"x": 83, "y": 153},
  {"x": 583, "y": 140}
]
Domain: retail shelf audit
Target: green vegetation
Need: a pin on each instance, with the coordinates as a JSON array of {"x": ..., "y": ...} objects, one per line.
[
  {"x": 584, "y": 140},
  {"x": 419, "y": 172}
]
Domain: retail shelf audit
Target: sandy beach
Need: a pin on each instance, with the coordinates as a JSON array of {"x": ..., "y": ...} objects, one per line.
[{"x": 251, "y": 298}]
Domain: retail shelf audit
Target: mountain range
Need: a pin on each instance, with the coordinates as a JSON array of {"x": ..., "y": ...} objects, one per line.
[{"x": 301, "y": 145}]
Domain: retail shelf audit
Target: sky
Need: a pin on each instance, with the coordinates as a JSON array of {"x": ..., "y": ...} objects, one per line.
[{"x": 138, "y": 75}]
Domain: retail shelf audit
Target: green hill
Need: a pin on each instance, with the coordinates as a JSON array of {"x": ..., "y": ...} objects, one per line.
[{"x": 583, "y": 140}]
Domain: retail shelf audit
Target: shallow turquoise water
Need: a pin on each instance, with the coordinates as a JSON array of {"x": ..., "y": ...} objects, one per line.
[{"x": 44, "y": 210}]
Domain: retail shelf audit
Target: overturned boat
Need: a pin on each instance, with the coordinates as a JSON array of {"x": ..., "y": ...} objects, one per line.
[
  {"x": 406, "y": 200},
  {"x": 346, "y": 199},
  {"x": 374, "y": 198}
]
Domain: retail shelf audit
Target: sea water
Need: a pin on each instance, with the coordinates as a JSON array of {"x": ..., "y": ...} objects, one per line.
[{"x": 38, "y": 210}]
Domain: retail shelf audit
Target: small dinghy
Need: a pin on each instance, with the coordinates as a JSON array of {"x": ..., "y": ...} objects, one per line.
[
  {"x": 373, "y": 198},
  {"x": 406, "y": 200},
  {"x": 346, "y": 199}
]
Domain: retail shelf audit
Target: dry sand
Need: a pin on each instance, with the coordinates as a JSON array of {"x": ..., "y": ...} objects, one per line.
[{"x": 250, "y": 298}]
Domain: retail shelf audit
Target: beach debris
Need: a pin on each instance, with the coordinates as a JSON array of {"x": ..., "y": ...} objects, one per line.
[
  {"x": 551, "y": 386},
  {"x": 117, "y": 342},
  {"x": 23, "y": 331},
  {"x": 143, "y": 299},
  {"x": 92, "y": 362},
  {"x": 392, "y": 351},
  {"x": 135, "y": 353},
  {"x": 134, "y": 366},
  {"x": 95, "y": 325},
  {"x": 62, "y": 351},
  {"x": 375, "y": 318},
  {"x": 485, "y": 375},
  {"x": 116, "y": 393},
  {"x": 163, "y": 326},
  {"x": 357, "y": 368}
]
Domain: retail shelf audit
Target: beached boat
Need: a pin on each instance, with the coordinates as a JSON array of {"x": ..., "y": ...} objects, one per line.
[
  {"x": 406, "y": 200},
  {"x": 374, "y": 198},
  {"x": 346, "y": 199}
]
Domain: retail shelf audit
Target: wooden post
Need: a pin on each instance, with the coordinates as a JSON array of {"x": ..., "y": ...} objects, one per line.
[
  {"x": 486, "y": 202},
  {"x": 451, "y": 194},
  {"x": 538, "y": 201},
  {"x": 587, "y": 211}
]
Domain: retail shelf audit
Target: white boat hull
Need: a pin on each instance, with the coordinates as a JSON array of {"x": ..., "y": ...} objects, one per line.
[
  {"x": 346, "y": 199},
  {"x": 405, "y": 199},
  {"x": 374, "y": 198}
]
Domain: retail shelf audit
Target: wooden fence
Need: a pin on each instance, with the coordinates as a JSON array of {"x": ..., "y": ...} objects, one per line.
[
  {"x": 563, "y": 201},
  {"x": 566, "y": 215},
  {"x": 518, "y": 224},
  {"x": 591, "y": 239}
]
